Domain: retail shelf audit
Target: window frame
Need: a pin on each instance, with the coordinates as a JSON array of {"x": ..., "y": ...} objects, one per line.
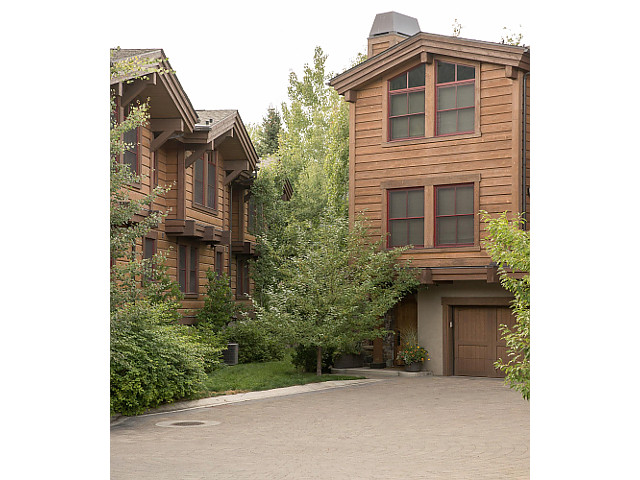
[
  {"x": 428, "y": 182},
  {"x": 405, "y": 91},
  {"x": 136, "y": 152},
  {"x": 189, "y": 291},
  {"x": 473, "y": 214},
  {"x": 389, "y": 219},
  {"x": 149, "y": 254},
  {"x": 243, "y": 286},
  {"x": 209, "y": 160},
  {"x": 456, "y": 83}
]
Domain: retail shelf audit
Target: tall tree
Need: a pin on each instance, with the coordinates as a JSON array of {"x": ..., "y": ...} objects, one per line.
[{"x": 266, "y": 138}]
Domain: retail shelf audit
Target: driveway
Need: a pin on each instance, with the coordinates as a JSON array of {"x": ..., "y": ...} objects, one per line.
[{"x": 410, "y": 428}]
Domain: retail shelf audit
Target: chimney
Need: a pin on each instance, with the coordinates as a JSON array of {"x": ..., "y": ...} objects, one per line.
[{"x": 389, "y": 29}]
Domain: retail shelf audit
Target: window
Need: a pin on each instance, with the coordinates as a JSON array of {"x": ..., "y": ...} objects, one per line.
[
  {"x": 405, "y": 218},
  {"x": 454, "y": 219},
  {"x": 406, "y": 104},
  {"x": 204, "y": 188},
  {"x": 154, "y": 166},
  {"x": 131, "y": 156},
  {"x": 148, "y": 251},
  {"x": 188, "y": 269},
  {"x": 219, "y": 264},
  {"x": 455, "y": 94},
  {"x": 242, "y": 277}
]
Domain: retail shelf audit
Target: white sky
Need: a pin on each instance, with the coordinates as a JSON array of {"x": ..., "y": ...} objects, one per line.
[{"x": 238, "y": 55}]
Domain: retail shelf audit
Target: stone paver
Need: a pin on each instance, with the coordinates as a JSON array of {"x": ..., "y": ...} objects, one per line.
[{"x": 410, "y": 428}]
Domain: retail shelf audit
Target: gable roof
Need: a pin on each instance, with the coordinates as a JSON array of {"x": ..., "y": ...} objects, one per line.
[
  {"x": 423, "y": 44},
  {"x": 166, "y": 86}
]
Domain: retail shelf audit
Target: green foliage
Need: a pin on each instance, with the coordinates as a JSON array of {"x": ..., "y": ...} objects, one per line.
[
  {"x": 457, "y": 28},
  {"x": 305, "y": 358},
  {"x": 511, "y": 38},
  {"x": 508, "y": 246},
  {"x": 219, "y": 307},
  {"x": 152, "y": 361},
  {"x": 413, "y": 353},
  {"x": 266, "y": 135},
  {"x": 335, "y": 291},
  {"x": 256, "y": 342}
]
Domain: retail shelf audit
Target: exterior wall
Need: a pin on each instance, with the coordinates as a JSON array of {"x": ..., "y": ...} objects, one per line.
[
  {"x": 430, "y": 315},
  {"x": 489, "y": 158}
]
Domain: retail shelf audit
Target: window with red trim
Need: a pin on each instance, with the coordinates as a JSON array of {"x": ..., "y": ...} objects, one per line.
[
  {"x": 405, "y": 217},
  {"x": 454, "y": 215},
  {"x": 455, "y": 98},
  {"x": 188, "y": 268},
  {"x": 205, "y": 180},
  {"x": 406, "y": 104}
]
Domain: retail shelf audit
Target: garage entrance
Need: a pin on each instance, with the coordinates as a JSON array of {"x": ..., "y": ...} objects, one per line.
[{"x": 473, "y": 336}]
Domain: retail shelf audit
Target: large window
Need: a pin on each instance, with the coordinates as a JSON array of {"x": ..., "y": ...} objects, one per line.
[
  {"x": 405, "y": 219},
  {"x": 406, "y": 104},
  {"x": 204, "y": 188},
  {"x": 188, "y": 268},
  {"x": 131, "y": 155},
  {"x": 148, "y": 251},
  {"x": 455, "y": 94},
  {"x": 454, "y": 219}
]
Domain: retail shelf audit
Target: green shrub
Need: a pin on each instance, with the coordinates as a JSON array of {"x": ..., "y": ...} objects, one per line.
[
  {"x": 255, "y": 342},
  {"x": 151, "y": 361},
  {"x": 306, "y": 358},
  {"x": 219, "y": 308}
]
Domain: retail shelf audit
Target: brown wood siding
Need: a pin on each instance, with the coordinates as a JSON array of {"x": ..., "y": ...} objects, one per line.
[{"x": 489, "y": 153}]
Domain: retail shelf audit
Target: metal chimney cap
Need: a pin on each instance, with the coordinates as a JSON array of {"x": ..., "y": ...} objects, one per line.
[{"x": 394, "y": 22}]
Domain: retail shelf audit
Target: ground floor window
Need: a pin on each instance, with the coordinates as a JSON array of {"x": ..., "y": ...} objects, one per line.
[
  {"x": 188, "y": 268},
  {"x": 242, "y": 277}
]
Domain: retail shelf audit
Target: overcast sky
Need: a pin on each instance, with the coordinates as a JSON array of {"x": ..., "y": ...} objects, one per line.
[{"x": 238, "y": 55}]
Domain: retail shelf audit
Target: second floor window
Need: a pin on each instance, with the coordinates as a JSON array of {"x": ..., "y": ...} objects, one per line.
[
  {"x": 188, "y": 268},
  {"x": 148, "y": 251},
  {"x": 454, "y": 215},
  {"x": 204, "y": 179},
  {"x": 405, "y": 219},
  {"x": 406, "y": 104},
  {"x": 455, "y": 98},
  {"x": 131, "y": 155}
]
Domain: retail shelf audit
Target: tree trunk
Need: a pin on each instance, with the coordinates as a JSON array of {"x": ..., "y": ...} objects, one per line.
[{"x": 319, "y": 362}]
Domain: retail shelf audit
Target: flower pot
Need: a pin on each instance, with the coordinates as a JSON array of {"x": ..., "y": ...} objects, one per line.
[{"x": 413, "y": 367}]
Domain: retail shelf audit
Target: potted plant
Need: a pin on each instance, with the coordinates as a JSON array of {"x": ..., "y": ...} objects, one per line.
[{"x": 413, "y": 356}]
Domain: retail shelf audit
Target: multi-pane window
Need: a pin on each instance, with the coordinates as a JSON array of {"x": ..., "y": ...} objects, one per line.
[
  {"x": 204, "y": 189},
  {"x": 454, "y": 215},
  {"x": 406, "y": 104},
  {"x": 219, "y": 264},
  {"x": 242, "y": 277},
  {"x": 405, "y": 219},
  {"x": 188, "y": 268},
  {"x": 455, "y": 94}
]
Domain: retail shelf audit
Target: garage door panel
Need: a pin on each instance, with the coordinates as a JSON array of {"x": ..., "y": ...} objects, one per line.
[{"x": 477, "y": 342}]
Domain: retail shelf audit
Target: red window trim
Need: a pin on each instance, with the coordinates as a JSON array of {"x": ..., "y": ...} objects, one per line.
[
  {"x": 451, "y": 84},
  {"x": 403, "y": 91},
  {"x": 436, "y": 216},
  {"x": 389, "y": 219}
]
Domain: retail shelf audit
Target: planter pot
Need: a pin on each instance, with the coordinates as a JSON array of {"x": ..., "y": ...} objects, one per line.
[{"x": 413, "y": 367}]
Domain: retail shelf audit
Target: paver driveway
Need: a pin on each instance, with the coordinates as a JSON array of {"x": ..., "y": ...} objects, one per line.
[{"x": 409, "y": 428}]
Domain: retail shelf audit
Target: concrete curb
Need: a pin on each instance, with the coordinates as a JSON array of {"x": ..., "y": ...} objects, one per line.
[{"x": 245, "y": 397}]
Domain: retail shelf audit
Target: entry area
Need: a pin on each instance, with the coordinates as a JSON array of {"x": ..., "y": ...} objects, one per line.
[{"x": 474, "y": 337}]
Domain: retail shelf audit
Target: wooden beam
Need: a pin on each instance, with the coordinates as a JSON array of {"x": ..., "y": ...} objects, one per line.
[
  {"x": 426, "y": 276},
  {"x": 511, "y": 72},
  {"x": 236, "y": 165},
  {"x": 137, "y": 88},
  {"x": 350, "y": 96},
  {"x": 492, "y": 274},
  {"x": 232, "y": 176},
  {"x": 426, "y": 57},
  {"x": 197, "y": 153},
  {"x": 221, "y": 138},
  {"x": 168, "y": 126}
]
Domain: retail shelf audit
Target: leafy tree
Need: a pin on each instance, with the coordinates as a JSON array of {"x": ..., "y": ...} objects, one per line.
[
  {"x": 336, "y": 291},
  {"x": 457, "y": 28},
  {"x": 266, "y": 135},
  {"x": 511, "y": 38},
  {"x": 508, "y": 246}
]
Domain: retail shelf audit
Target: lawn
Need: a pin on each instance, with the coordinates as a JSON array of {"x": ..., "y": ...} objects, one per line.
[{"x": 253, "y": 377}]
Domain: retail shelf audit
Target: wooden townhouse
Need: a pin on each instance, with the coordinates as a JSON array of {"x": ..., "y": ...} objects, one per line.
[
  {"x": 439, "y": 130},
  {"x": 207, "y": 158}
]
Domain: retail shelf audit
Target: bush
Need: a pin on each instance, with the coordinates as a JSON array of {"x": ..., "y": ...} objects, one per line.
[
  {"x": 307, "y": 357},
  {"x": 255, "y": 342},
  {"x": 151, "y": 361},
  {"x": 219, "y": 308}
]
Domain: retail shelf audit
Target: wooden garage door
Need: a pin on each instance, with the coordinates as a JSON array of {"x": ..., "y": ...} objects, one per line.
[{"x": 477, "y": 342}]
